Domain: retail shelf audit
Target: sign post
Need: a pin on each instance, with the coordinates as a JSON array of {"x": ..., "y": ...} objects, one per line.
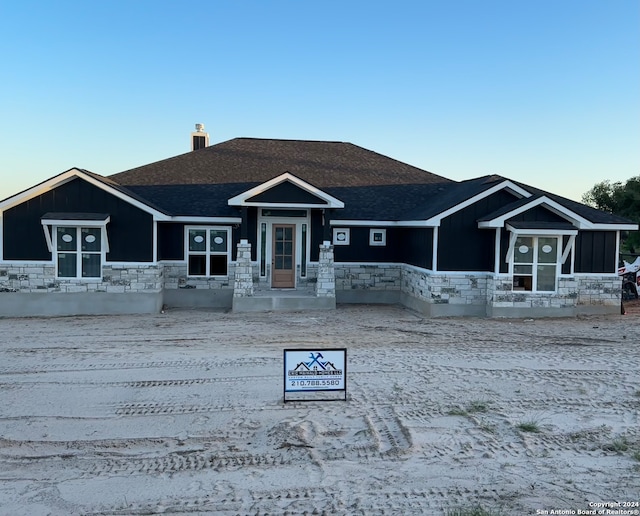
[{"x": 315, "y": 370}]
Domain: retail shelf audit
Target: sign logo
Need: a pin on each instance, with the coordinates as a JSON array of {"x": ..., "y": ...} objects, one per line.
[{"x": 317, "y": 370}]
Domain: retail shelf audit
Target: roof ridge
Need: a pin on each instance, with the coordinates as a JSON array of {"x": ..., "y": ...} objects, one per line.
[{"x": 281, "y": 140}]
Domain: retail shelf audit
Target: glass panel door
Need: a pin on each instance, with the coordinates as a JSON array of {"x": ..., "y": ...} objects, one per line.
[{"x": 283, "y": 259}]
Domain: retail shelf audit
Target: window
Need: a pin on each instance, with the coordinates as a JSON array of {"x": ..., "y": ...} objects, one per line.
[
  {"x": 78, "y": 252},
  {"x": 207, "y": 251},
  {"x": 378, "y": 237},
  {"x": 535, "y": 263},
  {"x": 340, "y": 236}
]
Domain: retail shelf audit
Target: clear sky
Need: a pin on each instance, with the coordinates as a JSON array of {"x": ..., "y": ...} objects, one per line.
[{"x": 545, "y": 92}]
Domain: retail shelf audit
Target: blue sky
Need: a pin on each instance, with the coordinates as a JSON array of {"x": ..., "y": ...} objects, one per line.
[{"x": 544, "y": 92}]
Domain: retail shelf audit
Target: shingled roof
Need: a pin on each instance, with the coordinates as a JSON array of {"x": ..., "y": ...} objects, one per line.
[
  {"x": 373, "y": 186},
  {"x": 241, "y": 160}
]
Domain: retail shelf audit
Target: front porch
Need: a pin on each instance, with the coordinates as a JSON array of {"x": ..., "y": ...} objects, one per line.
[{"x": 251, "y": 297}]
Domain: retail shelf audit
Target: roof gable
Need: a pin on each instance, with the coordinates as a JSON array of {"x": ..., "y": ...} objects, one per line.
[
  {"x": 94, "y": 179},
  {"x": 286, "y": 190},
  {"x": 469, "y": 192},
  {"x": 500, "y": 217}
]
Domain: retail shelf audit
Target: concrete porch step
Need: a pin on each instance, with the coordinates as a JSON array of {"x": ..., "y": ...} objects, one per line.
[{"x": 283, "y": 301}]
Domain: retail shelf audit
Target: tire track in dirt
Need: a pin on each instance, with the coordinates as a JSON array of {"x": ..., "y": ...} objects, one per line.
[
  {"x": 347, "y": 500},
  {"x": 172, "y": 364}
]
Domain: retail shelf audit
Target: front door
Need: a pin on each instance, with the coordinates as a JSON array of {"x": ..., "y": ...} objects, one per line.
[{"x": 283, "y": 264}]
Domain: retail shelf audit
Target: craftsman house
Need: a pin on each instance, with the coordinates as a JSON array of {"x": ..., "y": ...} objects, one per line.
[{"x": 260, "y": 224}]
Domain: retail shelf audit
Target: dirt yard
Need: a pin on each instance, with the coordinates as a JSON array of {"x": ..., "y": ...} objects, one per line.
[{"x": 183, "y": 413}]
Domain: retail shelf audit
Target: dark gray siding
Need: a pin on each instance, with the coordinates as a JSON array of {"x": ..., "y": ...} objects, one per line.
[
  {"x": 404, "y": 245},
  {"x": 596, "y": 252},
  {"x": 170, "y": 241},
  {"x": 566, "y": 266},
  {"x": 317, "y": 235},
  {"x": 130, "y": 230},
  {"x": 538, "y": 214},
  {"x": 464, "y": 247},
  {"x": 504, "y": 245},
  {"x": 359, "y": 249},
  {"x": 415, "y": 247}
]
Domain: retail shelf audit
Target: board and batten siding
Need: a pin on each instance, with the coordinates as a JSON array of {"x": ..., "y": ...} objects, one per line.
[
  {"x": 462, "y": 246},
  {"x": 403, "y": 245},
  {"x": 595, "y": 252},
  {"x": 130, "y": 229}
]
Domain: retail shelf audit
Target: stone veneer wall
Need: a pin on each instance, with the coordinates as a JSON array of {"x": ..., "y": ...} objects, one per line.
[
  {"x": 115, "y": 279},
  {"x": 33, "y": 290},
  {"x": 441, "y": 294},
  {"x": 577, "y": 294},
  {"x": 326, "y": 280},
  {"x": 243, "y": 273},
  {"x": 175, "y": 277},
  {"x": 431, "y": 293}
]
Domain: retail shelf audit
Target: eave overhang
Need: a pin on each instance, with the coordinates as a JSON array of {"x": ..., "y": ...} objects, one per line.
[
  {"x": 381, "y": 223},
  {"x": 540, "y": 229}
]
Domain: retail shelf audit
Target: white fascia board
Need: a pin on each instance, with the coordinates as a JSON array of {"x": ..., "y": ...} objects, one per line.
[
  {"x": 504, "y": 185},
  {"x": 67, "y": 176},
  {"x": 39, "y": 189},
  {"x": 558, "y": 209},
  {"x": 206, "y": 220},
  {"x": 542, "y": 232},
  {"x": 381, "y": 223},
  {"x": 241, "y": 199},
  {"x": 618, "y": 227},
  {"x": 76, "y": 222},
  {"x": 288, "y": 205}
]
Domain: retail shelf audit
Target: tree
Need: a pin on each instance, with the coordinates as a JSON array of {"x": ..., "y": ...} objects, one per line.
[{"x": 622, "y": 200}]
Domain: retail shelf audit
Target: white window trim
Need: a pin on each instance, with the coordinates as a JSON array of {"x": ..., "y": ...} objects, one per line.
[
  {"x": 535, "y": 263},
  {"x": 207, "y": 252},
  {"x": 372, "y": 233},
  {"x": 78, "y": 251},
  {"x": 347, "y": 233}
]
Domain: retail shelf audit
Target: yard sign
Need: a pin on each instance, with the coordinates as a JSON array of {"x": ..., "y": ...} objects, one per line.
[{"x": 313, "y": 370}]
